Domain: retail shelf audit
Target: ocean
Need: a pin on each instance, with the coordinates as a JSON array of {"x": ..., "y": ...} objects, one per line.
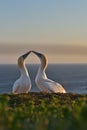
[{"x": 73, "y": 77}]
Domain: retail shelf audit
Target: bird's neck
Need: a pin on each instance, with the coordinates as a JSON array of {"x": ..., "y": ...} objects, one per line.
[
  {"x": 41, "y": 72},
  {"x": 24, "y": 70},
  {"x": 43, "y": 66}
]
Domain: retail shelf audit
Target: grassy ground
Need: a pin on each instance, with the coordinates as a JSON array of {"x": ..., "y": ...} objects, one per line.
[{"x": 40, "y": 111}]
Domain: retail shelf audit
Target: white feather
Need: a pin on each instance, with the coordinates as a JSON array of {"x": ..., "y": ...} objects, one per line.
[
  {"x": 23, "y": 84},
  {"x": 43, "y": 83}
]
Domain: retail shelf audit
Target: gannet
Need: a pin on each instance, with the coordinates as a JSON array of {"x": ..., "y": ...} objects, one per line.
[
  {"x": 42, "y": 82},
  {"x": 23, "y": 84}
]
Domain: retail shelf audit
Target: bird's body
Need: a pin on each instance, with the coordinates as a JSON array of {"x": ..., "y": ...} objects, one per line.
[
  {"x": 23, "y": 84},
  {"x": 43, "y": 83}
]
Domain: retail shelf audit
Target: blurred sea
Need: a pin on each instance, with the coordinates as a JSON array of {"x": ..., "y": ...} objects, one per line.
[{"x": 73, "y": 77}]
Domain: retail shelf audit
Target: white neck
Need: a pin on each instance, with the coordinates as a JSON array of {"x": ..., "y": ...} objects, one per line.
[
  {"x": 41, "y": 72},
  {"x": 24, "y": 70}
]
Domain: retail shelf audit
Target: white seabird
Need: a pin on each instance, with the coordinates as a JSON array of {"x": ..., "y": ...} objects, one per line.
[
  {"x": 23, "y": 84},
  {"x": 42, "y": 82}
]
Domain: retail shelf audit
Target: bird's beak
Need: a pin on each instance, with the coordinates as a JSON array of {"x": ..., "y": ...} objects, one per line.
[
  {"x": 25, "y": 55},
  {"x": 37, "y": 53}
]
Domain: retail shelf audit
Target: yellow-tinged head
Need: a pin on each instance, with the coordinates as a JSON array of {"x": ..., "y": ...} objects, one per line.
[
  {"x": 43, "y": 59},
  {"x": 22, "y": 58}
]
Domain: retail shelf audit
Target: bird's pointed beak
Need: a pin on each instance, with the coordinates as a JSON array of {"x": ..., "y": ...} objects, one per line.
[
  {"x": 25, "y": 55},
  {"x": 37, "y": 53}
]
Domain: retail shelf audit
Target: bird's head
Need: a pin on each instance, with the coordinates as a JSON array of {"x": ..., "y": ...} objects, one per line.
[
  {"x": 43, "y": 59},
  {"x": 22, "y": 58}
]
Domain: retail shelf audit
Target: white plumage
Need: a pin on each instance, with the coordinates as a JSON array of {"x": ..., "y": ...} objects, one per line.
[
  {"x": 23, "y": 84},
  {"x": 43, "y": 83}
]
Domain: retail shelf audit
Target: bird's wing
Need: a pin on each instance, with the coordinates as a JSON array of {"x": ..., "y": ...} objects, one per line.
[
  {"x": 16, "y": 86},
  {"x": 52, "y": 86}
]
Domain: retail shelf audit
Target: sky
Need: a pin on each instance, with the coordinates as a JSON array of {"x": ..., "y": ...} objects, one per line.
[{"x": 55, "y": 27}]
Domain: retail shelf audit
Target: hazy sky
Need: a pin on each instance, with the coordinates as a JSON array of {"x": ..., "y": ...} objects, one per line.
[{"x": 49, "y": 22}]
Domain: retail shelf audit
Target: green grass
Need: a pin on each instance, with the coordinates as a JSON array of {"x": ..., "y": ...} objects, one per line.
[{"x": 40, "y": 111}]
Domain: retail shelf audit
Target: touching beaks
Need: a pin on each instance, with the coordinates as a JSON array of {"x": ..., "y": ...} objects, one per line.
[
  {"x": 38, "y": 54},
  {"x": 26, "y": 54}
]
